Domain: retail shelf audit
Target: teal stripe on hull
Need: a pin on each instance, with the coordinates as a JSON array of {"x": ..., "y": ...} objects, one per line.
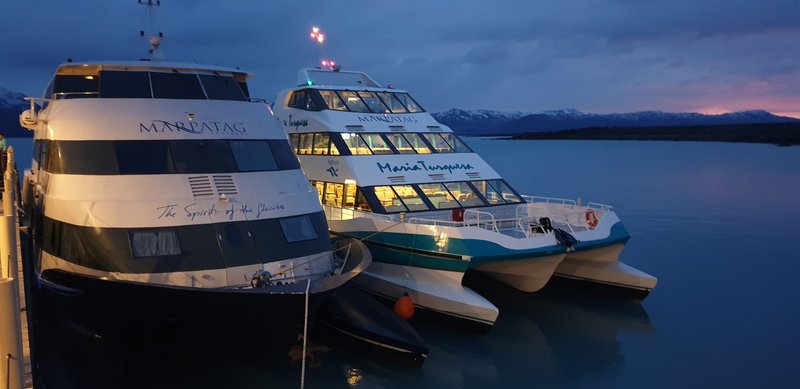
[{"x": 423, "y": 251}]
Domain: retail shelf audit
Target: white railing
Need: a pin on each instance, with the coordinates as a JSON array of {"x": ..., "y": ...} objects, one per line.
[
  {"x": 339, "y": 213},
  {"x": 485, "y": 220}
]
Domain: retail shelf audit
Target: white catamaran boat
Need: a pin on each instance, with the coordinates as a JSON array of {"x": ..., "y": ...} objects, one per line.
[
  {"x": 162, "y": 191},
  {"x": 429, "y": 208}
]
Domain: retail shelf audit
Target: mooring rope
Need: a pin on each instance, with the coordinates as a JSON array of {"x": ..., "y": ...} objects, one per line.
[{"x": 305, "y": 340}]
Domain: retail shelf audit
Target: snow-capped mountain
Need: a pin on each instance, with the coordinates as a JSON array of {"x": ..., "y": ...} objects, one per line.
[
  {"x": 482, "y": 122},
  {"x": 11, "y": 105}
]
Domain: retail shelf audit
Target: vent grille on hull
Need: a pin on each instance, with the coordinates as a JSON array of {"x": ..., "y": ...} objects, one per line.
[
  {"x": 473, "y": 175},
  {"x": 396, "y": 179},
  {"x": 201, "y": 186}
]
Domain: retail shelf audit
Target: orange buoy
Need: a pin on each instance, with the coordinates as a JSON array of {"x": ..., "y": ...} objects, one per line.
[{"x": 404, "y": 306}]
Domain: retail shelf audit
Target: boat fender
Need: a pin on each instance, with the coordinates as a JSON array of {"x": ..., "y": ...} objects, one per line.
[
  {"x": 591, "y": 219},
  {"x": 404, "y": 306},
  {"x": 565, "y": 238}
]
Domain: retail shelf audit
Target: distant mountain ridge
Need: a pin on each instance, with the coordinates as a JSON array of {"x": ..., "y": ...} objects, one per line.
[
  {"x": 11, "y": 105},
  {"x": 486, "y": 122}
]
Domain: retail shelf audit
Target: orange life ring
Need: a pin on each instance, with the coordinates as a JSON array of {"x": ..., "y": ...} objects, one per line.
[{"x": 591, "y": 219}]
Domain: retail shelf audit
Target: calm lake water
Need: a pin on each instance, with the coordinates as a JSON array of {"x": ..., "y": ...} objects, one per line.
[{"x": 717, "y": 223}]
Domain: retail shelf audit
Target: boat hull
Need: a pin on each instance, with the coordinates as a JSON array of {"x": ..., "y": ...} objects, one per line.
[
  {"x": 601, "y": 266},
  {"x": 528, "y": 275},
  {"x": 439, "y": 291}
]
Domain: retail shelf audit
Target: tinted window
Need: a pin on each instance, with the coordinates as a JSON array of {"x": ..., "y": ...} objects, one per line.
[
  {"x": 133, "y": 85},
  {"x": 438, "y": 143},
  {"x": 75, "y": 86},
  {"x": 373, "y": 102},
  {"x": 400, "y": 143},
  {"x": 221, "y": 87},
  {"x": 298, "y": 228},
  {"x": 306, "y": 143},
  {"x": 143, "y": 157},
  {"x": 153, "y": 243},
  {"x": 395, "y": 106},
  {"x": 464, "y": 194},
  {"x": 202, "y": 156},
  {"x": 283, "y": 155},
  {"x": 456, "y": 144},
  {"x": 353, "y": 101},
  {"x": 332, "y": 100},
  {"x": 389, "y": 199},
  {"x": 417, "y": 143},
  {"x": 408, "y": 102},
  {"x": 253, "y": 155},
  {"x": 356, "y": 145},
  {"x": 376, "y": 143},
  {"x": 439, "y": 196},
  {"x": 176, "y": 86},
  {"x": 78, "y": 157},
  {"x": 410, "y": 197},
  {"x": 321, "y": 144}
]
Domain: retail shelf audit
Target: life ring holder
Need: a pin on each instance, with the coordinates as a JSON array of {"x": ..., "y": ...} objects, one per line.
[{"x": 591, "y": 218}]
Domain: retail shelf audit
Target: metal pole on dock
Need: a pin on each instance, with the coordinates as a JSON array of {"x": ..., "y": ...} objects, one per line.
[{"x": 11, "y": 357}]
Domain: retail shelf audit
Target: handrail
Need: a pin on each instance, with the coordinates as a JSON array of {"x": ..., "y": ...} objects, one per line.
[
  {"x": 548, "y": 200},
  {"x": 339, "y": 213},
  {"x": 61, "y": 95},
  {"x": 479, "y": 222}
]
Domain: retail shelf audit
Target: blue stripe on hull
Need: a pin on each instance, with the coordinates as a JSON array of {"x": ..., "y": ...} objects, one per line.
[{"x": 423, "y": 250}]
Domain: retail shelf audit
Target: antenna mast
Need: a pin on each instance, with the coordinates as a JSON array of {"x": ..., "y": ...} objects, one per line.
[{"x": 154, "y": 39}]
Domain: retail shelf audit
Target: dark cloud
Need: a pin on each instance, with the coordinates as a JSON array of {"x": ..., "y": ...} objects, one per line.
[{"x": 593, "y": 55}]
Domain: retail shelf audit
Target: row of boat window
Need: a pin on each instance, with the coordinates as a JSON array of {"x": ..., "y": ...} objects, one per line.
[
  {"x": 336, "y": 143},
  {"x": 188, "y": 247},
  {"x": 417, "y": 197},
  {"x": 163, "y": 157},
  {"x": 354, "y": 101},
  {"x": 146, "y": 85}
]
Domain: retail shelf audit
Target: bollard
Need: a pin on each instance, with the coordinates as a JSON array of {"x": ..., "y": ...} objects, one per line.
[
  {"x": 11, "y": 358},
  {"x": 8, "y": 246}
]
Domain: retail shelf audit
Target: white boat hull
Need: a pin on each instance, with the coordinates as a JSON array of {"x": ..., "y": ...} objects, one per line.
[
  {"x": 602, "y": 265},
  {"x": 435, "y": 290},
  {"x": 528, "y": 275}
]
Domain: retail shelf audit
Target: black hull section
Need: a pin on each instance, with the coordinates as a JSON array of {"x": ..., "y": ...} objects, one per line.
[
  {"x": 128, "y": 312},
  {"x": 354, "y": 314},
  {"x": 598, "y": 288}
]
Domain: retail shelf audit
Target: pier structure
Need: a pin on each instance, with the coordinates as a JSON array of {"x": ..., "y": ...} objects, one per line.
[{"x": 15, "y": 362}]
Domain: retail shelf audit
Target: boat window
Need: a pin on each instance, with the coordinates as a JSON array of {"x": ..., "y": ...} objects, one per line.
[
  {"x": 376, "y": 143},
  {"x": 202, "y": 156},
  {"x": 320, "y": 188},
  {"x": 294, "y": 140},
  {"x": 298, "y": 228},
  {"x": 395, "y": 106},
  {"x": 457, "y": 144},
  {"x": 410, "y": 197},
  {"x": 354, "y": 103},
  {"x": 489, "y": 192},
  {"x": 334, "y": 149},
  {"x": 400, "y": 143},
  {"x": 333, "y": 194},
  {"x": 220, "y": 87},
  {"x": 71, "y": 157},
  {"x": 154, "y": 243},
  {"x": 71, "y": 87},
  {"x": 128, "y": 85},
  {"x": 253, "y": 156},
  {"x": 143, "y": 157},
  {"x": 306, "y": 143},
  {"x": 439, "y": 196},
  {"x": 438, "y": 143},
  {"x": 389, "y": 199},
  {"x": 176, "y": 86},
  {"x": 356, "y": 145},
  {"x": 417, "y": 143},
  {"x": 361, "y": 201},
  {"x": 464, "y": 194},
  {"x": 408, "y": 102},
  {"x": 332, "y": 100},
  {"x": 373, "y": 102},
  {"x": 349, "y": 196},
  {"x": 302, "y": 99},
  {"x": 496, "y": 191},
  {"x": 322, "y": 143},
  {"x": 283, "y": 154},
  {"x": 243, "y": 87}
]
